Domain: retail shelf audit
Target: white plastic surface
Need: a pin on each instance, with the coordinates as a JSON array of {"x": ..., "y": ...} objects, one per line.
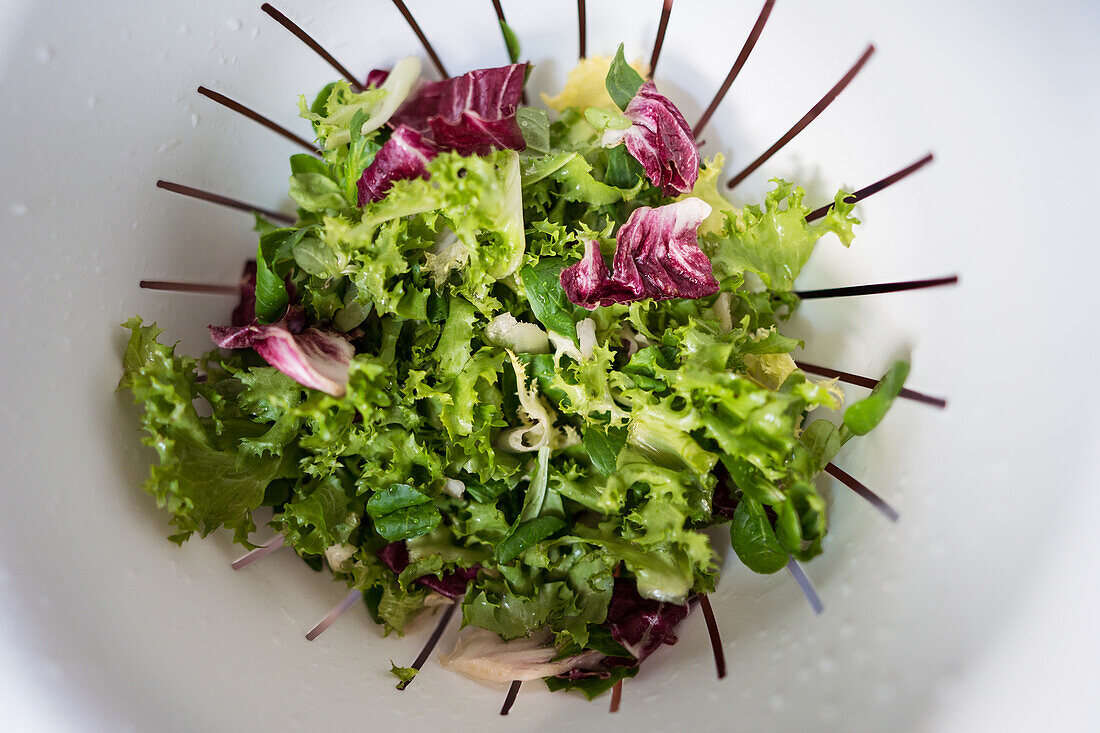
[{"x": 104, "y": 625}]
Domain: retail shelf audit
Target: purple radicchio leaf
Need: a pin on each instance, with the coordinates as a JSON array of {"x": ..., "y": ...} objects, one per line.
[
  {"x": 641, "y": 624},
  {"x": 311, "y": 357},
  {"x": 589, "y": 283},
  {"x": 376, "y": 78},
  {"x": 724, "y": 504},
  {"x": 245, "y": 312},
  {"x": 452, "y": 584},
  {"x": 472, "y": 114},
  {"x": 660, "y": 140},
  {"x": 657, "y": 256},
  {"x": 404, "y": 156}
]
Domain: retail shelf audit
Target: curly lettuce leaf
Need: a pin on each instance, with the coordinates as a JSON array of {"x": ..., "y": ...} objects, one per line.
[
  {"x": 775, "y": 241},
  {"x": 567, "y": 588},
  {"x": 333, "y": 111},
  {"x": 404, "y": 675},
  {"x": 204, "y": 479},
  {"x": 324, "y": 513},
  {"x": 477, "y": 198}
]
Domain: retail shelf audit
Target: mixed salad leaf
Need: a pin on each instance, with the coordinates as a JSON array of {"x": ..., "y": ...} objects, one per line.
[{"x": 443, "y": 392}]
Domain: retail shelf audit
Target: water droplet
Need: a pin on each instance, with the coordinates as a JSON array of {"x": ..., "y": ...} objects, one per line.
[
  {"x": 91, "y": 102},
  {"x": 43, "y": 54},
  {"x": 255, "y": 32},
  {"x": 233, "y": 24},
  {"x": 184, "y": 30},
  {"x": 777, "y": 702},
  {"x": 18, "y": 209},
  {"x": 194, "y": 120}
]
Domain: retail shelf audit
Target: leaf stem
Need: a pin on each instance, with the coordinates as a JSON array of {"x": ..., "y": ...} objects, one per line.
[
  {"x": 875, "y": 187},
  {"x": 659, "y": 42},
  {"x": 616, "y": 697},
  {"x": 869, "y": 383},
  {"x": 510, "y": 698},
  {"x": 582, "y": 31},
  {"x": 750, "y": 43},
  {"x": 182, "y": 287},
  {"x": 877, "y": 288},
  {"x": 257, "y": 117},
  {"x": 805, "y": 586},
  {"x": 307, "y": 39},
  {"x": 433, "y": 640},
  {"x": 423, "y": 39},
  {"x": 499, "y": 10},
  {"x": 214, "y": 198},
  {"x": 260, "y": 552},
  {"x": 871, "y": 497},
  {"x": 809, "y": 117},
  {"x": 715, "y": 637},
  {"x": 330, "y": 618}
]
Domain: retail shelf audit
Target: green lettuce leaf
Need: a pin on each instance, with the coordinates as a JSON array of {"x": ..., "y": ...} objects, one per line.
[
  {"x": 527, "y": 534},
  {"x": 604, "y": 446},
  {"x": 534, "y": 123},
  {"x": 753, "y": 538},
  {"x": 622, "y": 80},
  {"x": 401, "y": 512},
  {"x": 476, "y": 198},
  {"x": 862, "y": 417},
  {"x": 591, "y": 687},
  {"x": 369, "y": 109},
  {"x": 511, "y": 42},
  {"x": 204, "y": 480},
  {"x": 547, "y": 299},
  {"x": 775, "y": 241},
  {"x": 404, "y": 675},
  {"x": 325, "y": 513}
]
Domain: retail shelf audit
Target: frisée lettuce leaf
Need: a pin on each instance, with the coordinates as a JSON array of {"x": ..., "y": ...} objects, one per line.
[{"x": 440, "y": 389}]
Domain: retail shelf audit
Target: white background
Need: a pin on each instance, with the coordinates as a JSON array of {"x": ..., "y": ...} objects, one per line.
[{"x": 975, "y": 612}]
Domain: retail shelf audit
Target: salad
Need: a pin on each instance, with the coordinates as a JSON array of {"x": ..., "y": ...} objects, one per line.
[{"x": 517, "y": 358}]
